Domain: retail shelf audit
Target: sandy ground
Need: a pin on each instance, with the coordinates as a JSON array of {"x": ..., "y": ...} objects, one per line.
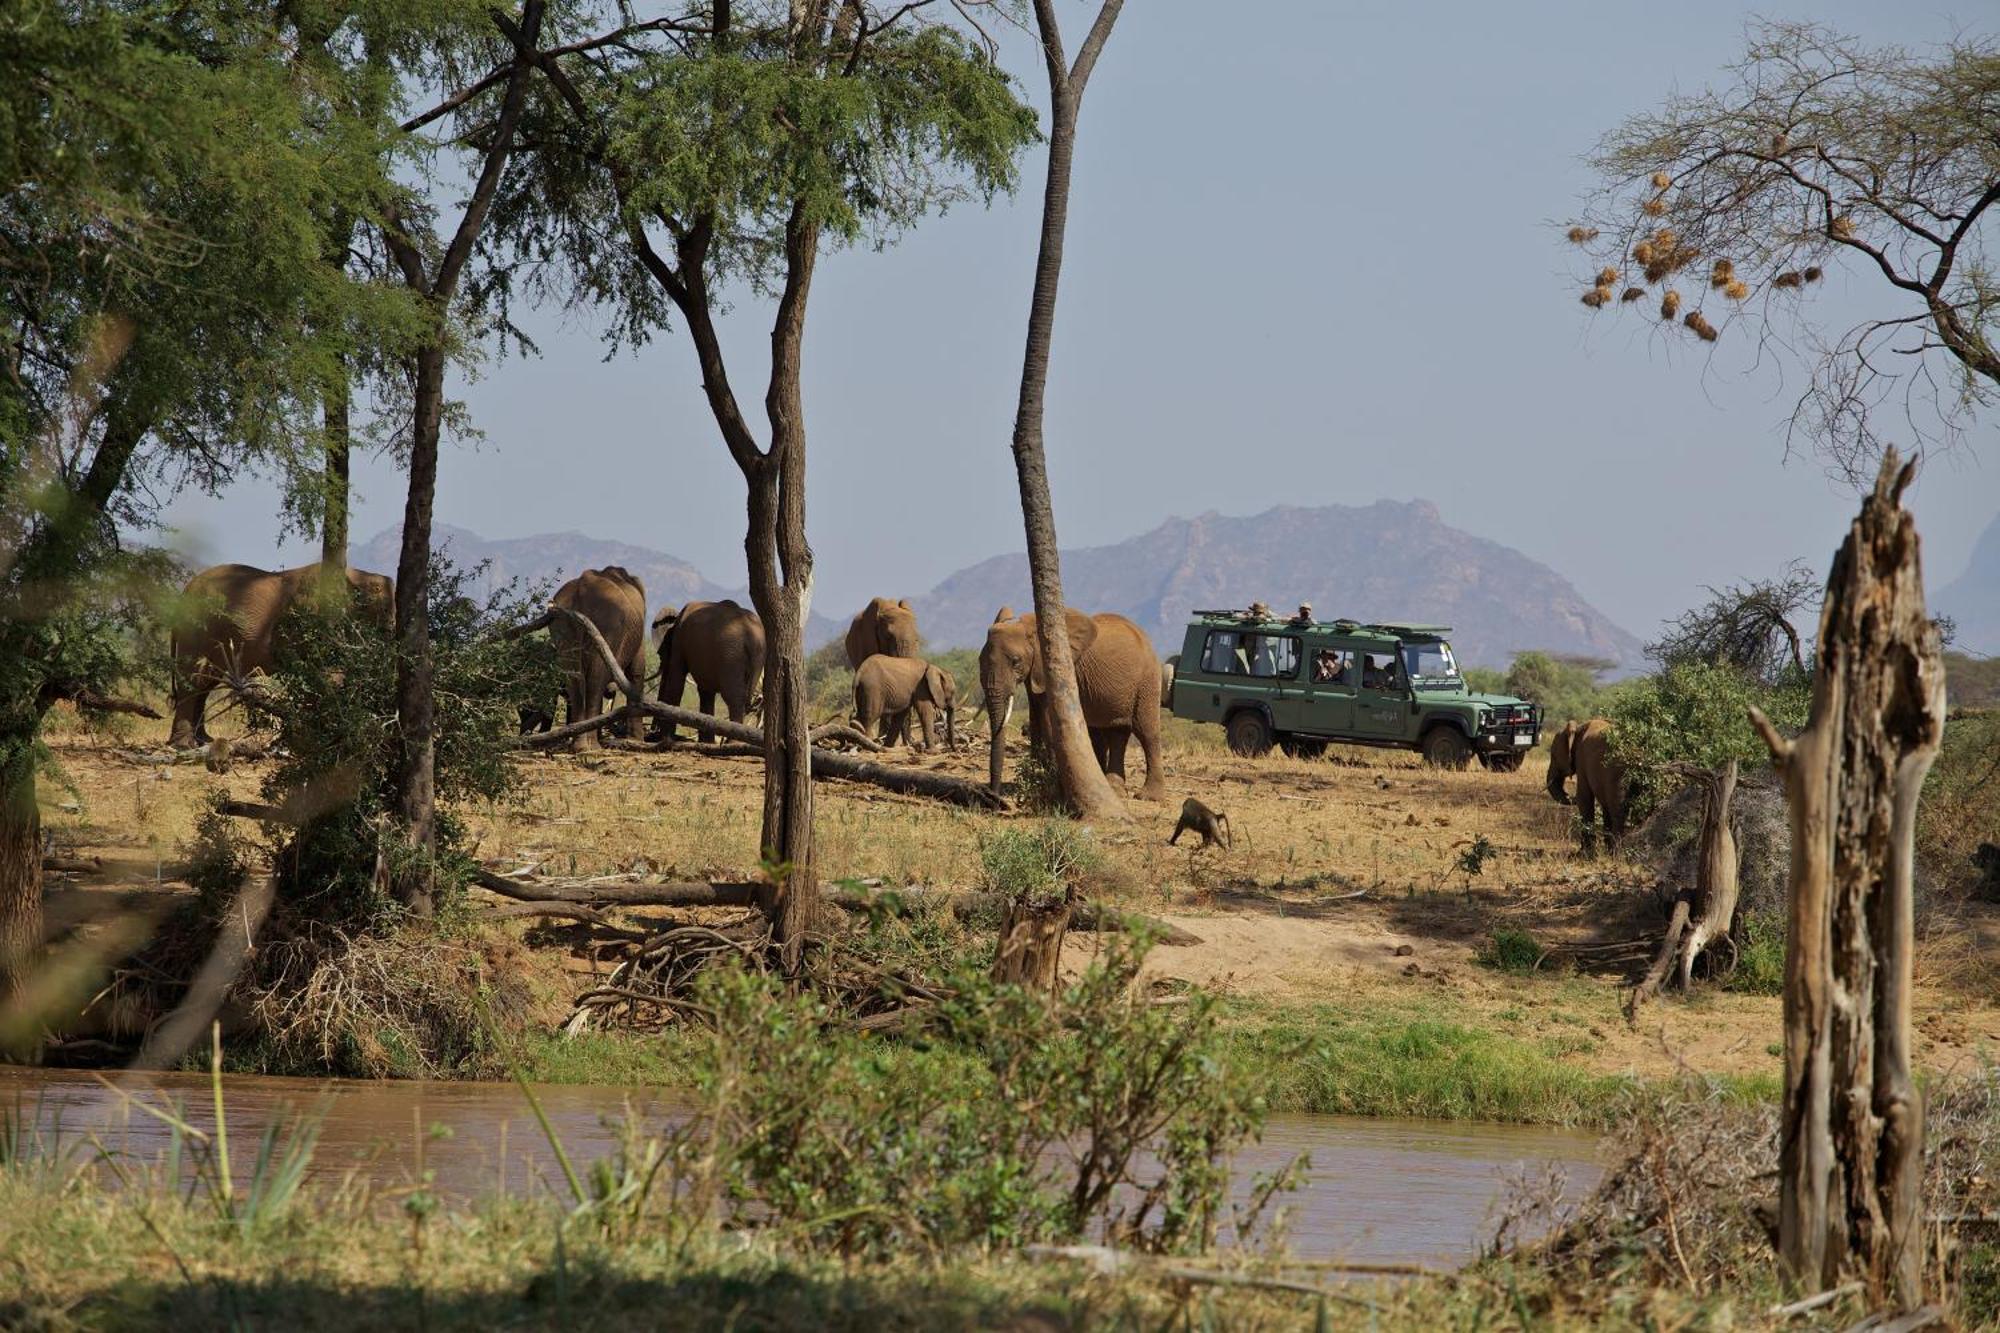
[{"x": 1345, "y": 886}]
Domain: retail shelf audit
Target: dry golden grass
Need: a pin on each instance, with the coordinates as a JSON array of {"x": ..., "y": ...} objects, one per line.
[{"x": 1278, "y": 913}]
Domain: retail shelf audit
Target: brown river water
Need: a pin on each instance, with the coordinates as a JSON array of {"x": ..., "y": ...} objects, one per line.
[{"x": 1380, "y": 1191}]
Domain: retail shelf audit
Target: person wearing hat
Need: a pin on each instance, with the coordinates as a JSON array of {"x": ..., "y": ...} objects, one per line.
[{"x": 1305, "y": 615}]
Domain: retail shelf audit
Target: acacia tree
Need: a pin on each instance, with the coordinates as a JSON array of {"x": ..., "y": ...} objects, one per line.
[
  {"x": 160, "y": 190},
  {"x": 725, "y": 148},
  {"x": 1819, "y": 152},
  {"x": 1084, "y": 785},
  {"x": 433, "y": 267}
]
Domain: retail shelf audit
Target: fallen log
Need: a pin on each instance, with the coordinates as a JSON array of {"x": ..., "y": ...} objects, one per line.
[
  {"x": 825, "y": 763},
  {"x": 966, "y": 904},
  {"x": 73, "y": 865}
]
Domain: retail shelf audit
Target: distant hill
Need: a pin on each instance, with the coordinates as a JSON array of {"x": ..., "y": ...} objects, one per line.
[
  {"x": 1972, "y": 600},
  {"x": 557, "y": 556},
  {"x": 1378, "y": 562}
]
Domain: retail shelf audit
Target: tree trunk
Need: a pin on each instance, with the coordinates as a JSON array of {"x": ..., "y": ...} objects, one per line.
[
  {"x": 1084, "y": 785},
  {"x": 339, "y": 439},
  {"x": 1851, "y": 1151},
  {"x": 20, "y": 868},
  {"x": 781, "y": 575},
  {"x": 1702, "y": 915},
  {"x": 416, "y": 770},
  {"x": 1029, "y": 952}
]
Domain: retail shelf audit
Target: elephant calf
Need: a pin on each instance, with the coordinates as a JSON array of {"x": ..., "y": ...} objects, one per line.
[
  {"x": 720, "y": 645},
  {"x": 887, "y": 688},
  {"x": 1583, "y": 750}
]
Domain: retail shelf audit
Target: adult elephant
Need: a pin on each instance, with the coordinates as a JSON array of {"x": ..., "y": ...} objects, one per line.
[
  {"x": 887, "y": 688},
  {"x": 1117, "y": 679},
  {"x": 721, "y": 645},
  {"x": 239, "y": 607},
  {"x": 1583, "y": 750},
  {"x": 885, "y": 627},
  {"x": 614, "y": 601}
]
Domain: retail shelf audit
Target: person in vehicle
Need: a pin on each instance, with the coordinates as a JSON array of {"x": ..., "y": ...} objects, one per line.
[
  {"x": 1329, "y": 664},
  {"x": 1305, "y": 615}
]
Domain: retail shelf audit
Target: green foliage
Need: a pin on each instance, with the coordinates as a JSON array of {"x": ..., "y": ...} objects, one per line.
[
  {"x": 335, "y": 679},
  {"x": 1477, "y": 853},
  {"x": 217, "y": 859},
  {"x": 1960, "y": 808},
  {"x": 1103, "y": 1115},
  {"x": 1697, "y": 713},
  {"x": 1567, "y": 688},
  {"x": 1512, "y": 950},
  {"x": 1040, "y": 863},
  {"x": 1760, "y": 955}
]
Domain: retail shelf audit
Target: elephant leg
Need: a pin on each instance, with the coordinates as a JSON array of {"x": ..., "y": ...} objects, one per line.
[
  {"x": 896, "y": 727},
  {"x": 586, "y": 701},
  {"x": 190, "y": 718},
  {"x": 1149, "y": 745},
  {"x": 926, "y": 722},
  {"x": 1586, "y": 811},
  {"x": 707, "y": 699},
  {"x": 1115, "y": 741},
  {"x": 673, "y": 684}
]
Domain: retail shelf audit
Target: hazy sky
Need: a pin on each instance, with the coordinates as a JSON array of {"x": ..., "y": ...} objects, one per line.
[{"x": 1311, "y": 260}]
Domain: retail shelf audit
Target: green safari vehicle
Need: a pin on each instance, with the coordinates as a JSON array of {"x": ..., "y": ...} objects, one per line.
[{"x": 1301, "y": 684}]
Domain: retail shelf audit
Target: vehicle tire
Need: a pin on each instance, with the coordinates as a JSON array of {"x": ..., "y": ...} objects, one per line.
[
  {"x": 1303, "y": 747},
  {"x": 1504, "y": 762},
  {"x": 1446, "y": 747},
  {"x": 1249, "y": 734}
]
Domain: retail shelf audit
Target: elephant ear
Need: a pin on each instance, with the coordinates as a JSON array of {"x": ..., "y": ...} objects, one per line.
[
  {"x": 938, "y": 683},
  {"x": 1082, "y": 632},
  {"x": 1005, "y": 614},
  {"x": 904, "y": 603}
]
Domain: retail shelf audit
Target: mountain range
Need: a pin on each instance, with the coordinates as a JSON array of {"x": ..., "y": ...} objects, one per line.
[
  {"x": 1972, "y": 600},
  {"x": 554, "y": 557},
  {"x": 1383, "y": 561}
]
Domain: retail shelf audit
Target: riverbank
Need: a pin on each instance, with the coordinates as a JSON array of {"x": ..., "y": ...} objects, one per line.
[{"x": 1366, "y": 961}]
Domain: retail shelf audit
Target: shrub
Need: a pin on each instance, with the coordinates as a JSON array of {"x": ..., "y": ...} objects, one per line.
[
  {"x": 1760, "y": 955},
  {"x": 1100, "y": 1115},
  {"x": 1697, "y": 713},
  {"x": 1567, "y": 688},
  {"x": 216, "y": 859},
  {"x": 1512, "y": 951},
  {"x": 1040, "y": 863},
  {"x": 334, "y": 680}
]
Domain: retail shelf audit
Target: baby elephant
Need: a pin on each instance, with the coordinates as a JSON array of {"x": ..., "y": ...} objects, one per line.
[{"x": 887, "y": 688}]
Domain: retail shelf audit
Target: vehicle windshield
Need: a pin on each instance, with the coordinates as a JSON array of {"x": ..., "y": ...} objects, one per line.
[{"x": 1430, "y": 664}]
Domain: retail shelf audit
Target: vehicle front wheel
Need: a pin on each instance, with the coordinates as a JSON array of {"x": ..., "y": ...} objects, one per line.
[
  {"x": 1249, "y": 735},
  {"x": 1504, "y": 761},
  {"x": 1446, "y": 747}
]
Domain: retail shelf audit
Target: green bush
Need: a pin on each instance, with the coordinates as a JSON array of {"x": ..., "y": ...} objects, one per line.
[
  {"x": 1102, "y": 1115},
  {"x": 1697, "y": 713},
  {"x": 1512, "y": 951},
  {"x": 1567, "y": 688},
  {"x": 1040, "y": 862},
  {"x": 216, "y": 859},
  {"x": 334, "y": 686},
  {"x": 1760, "y": 955}
]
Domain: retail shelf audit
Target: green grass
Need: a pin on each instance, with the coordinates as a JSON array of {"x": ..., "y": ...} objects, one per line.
[{"x": 1415, "y": 1062}]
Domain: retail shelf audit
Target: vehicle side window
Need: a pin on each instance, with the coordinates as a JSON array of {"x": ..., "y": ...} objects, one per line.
[
  {"x": 1330, "y": 666},
  {"x": 1237, "y": 653},
  {"x": 1378, "y": 671}
]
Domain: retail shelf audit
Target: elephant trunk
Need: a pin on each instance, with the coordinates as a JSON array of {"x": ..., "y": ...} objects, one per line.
[
  {"x": 1558, "y": 779},
  {"x": 950, "y": 725},
  {"x": 999, "y": 707}
]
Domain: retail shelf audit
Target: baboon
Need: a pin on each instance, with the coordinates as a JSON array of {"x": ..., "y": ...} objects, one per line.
[{"x": 1198, "y": 818}]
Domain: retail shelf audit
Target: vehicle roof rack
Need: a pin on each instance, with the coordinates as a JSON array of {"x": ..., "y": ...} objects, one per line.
[{"x": 1407, "y": 627}]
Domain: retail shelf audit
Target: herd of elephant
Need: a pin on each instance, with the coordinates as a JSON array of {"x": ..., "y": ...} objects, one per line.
[{"x": 720, "y": 647}]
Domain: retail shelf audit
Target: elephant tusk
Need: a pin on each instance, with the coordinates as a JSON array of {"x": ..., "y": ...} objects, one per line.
[{"x": 1007, "y": 713}]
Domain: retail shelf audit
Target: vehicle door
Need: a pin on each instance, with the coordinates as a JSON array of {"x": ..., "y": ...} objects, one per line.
[
  {"x": 1247, "y": 667},
  {"x": 1274, "y": 672},
  {"x": 1382, "y": 704},
  {"x": 1328, "y": 684}
]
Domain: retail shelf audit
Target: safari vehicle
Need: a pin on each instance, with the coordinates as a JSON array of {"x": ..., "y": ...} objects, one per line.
[{"x": 1302, "y": 684}]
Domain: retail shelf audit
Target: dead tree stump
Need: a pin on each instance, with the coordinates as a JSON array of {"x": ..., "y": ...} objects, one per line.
[
  {"x": 1031, "y": 940},
  {"x": 1704, "y": 914},
  {"x": 1851, "y": 1150}
]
